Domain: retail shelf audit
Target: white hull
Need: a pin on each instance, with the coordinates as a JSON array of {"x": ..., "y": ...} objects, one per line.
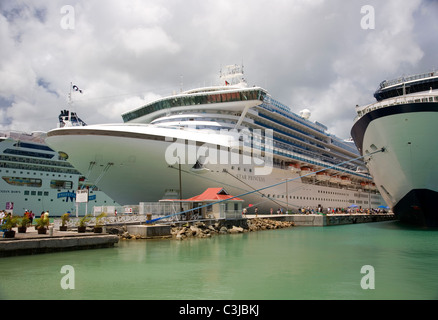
[
  {"x": 48, "y": 199},
  {"x": 32, "y": 178},
  {"x": 411, "y": 150},
  {"x": 139, "y": 172}
]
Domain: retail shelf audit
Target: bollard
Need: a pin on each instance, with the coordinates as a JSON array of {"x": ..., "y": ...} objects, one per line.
[{"x": 51, "y": 231}]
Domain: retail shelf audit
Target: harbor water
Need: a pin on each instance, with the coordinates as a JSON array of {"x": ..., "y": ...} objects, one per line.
[{"x": 294, "y": 263}]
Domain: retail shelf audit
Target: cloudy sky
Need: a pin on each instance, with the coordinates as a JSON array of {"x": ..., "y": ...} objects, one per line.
[{"x": 323, "y": 55}]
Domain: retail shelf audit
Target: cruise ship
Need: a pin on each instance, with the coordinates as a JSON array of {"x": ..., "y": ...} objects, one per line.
[
  {"x": 34, "y": 177},
  {"x": 232, "y": 136},
  {"x": 403, "y": 122}
]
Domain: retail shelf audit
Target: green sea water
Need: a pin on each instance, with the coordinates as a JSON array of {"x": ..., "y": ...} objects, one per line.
[{"x": 295, "y": 263}]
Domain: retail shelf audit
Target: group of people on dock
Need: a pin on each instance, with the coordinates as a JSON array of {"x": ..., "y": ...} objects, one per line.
[
  {"x": 4, "y": 214},
  {"x": 321, "y": 210},
  {"x": 28, "y": 214},
  {"x": 349, "y": 210}
]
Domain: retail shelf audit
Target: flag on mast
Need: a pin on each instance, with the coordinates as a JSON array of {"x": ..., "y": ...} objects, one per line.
[{"x": 76, "y": 88}]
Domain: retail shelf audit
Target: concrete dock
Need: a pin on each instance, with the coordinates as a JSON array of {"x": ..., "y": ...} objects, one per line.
[
  {"x": 33, "y": 243},
  {"x": 322, "y": 220}
]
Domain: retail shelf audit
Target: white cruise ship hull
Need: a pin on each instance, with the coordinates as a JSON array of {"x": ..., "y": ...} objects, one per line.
[
  {"x": 405, "y": 173},
  {"x": 130, "y": 165},
  {"x": 33, "y": 178},
  {"x": 56, "y": 201}
]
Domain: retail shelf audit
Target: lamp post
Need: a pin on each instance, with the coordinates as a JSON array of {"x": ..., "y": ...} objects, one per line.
[
  {"x": 180, "y": 184},
  {"x": 287, "y": 196}
]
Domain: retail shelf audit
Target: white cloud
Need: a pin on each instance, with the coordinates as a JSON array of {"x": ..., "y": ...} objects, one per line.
[{"x": 142, "y": 40}]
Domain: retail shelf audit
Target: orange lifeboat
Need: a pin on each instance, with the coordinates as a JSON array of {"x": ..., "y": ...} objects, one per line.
[
  {"x": 365, "y": 185},
  {"x": 295, "y": 167},
  {"x": 322, "y": 176},
  {"x": 307, "y": 170}
]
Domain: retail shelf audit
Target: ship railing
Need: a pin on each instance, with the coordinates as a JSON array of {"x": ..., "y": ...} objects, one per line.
[
  {"x": 417, "y": 98},
  {"x": 389, "y": 83},
  {"x": 231, "y": 214},
  {"x": 322, "y": 164}
]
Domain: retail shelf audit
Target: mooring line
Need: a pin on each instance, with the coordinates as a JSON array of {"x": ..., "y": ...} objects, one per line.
[{"x": 273, "y": 185}]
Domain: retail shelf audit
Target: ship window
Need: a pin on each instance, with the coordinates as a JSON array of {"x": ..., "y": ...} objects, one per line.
[
  {"x": 61, "y": 184},
  {"x": 28, "y": 153},
  {"x": 23, "y": 182}
]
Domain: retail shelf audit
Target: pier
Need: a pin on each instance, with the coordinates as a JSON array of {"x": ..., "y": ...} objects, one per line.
[
  {"x": 33, "y": 243},
  {"x": 323, "y": 220}
]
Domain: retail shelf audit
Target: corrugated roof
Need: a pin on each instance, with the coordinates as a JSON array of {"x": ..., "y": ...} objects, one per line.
[
  {"x": 213, "y": 194},
  {"x": 209, "y": 195}
]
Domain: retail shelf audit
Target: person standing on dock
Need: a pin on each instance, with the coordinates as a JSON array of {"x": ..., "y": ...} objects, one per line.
[{"x": 2, "y": 216}]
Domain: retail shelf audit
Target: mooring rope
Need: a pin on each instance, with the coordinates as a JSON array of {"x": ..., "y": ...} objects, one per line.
[{"x": 267, "y": 187}]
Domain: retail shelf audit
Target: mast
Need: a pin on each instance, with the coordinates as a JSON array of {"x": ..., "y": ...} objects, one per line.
[{"x": 69, "y": 102}]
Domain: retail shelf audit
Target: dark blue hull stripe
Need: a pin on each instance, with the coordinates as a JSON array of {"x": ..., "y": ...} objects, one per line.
[{"x": 360, "y": 127}]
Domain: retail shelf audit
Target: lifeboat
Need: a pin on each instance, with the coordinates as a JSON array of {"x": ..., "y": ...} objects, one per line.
[
  {"x": 322, "y": 176},
  {"x": 345, "y": 180},
  {"x": 307, "y": 170},
  {"x": 365, "y": 185},
  {"x": 335, "y": 179},
  {"x": 295, "y": 167}
]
